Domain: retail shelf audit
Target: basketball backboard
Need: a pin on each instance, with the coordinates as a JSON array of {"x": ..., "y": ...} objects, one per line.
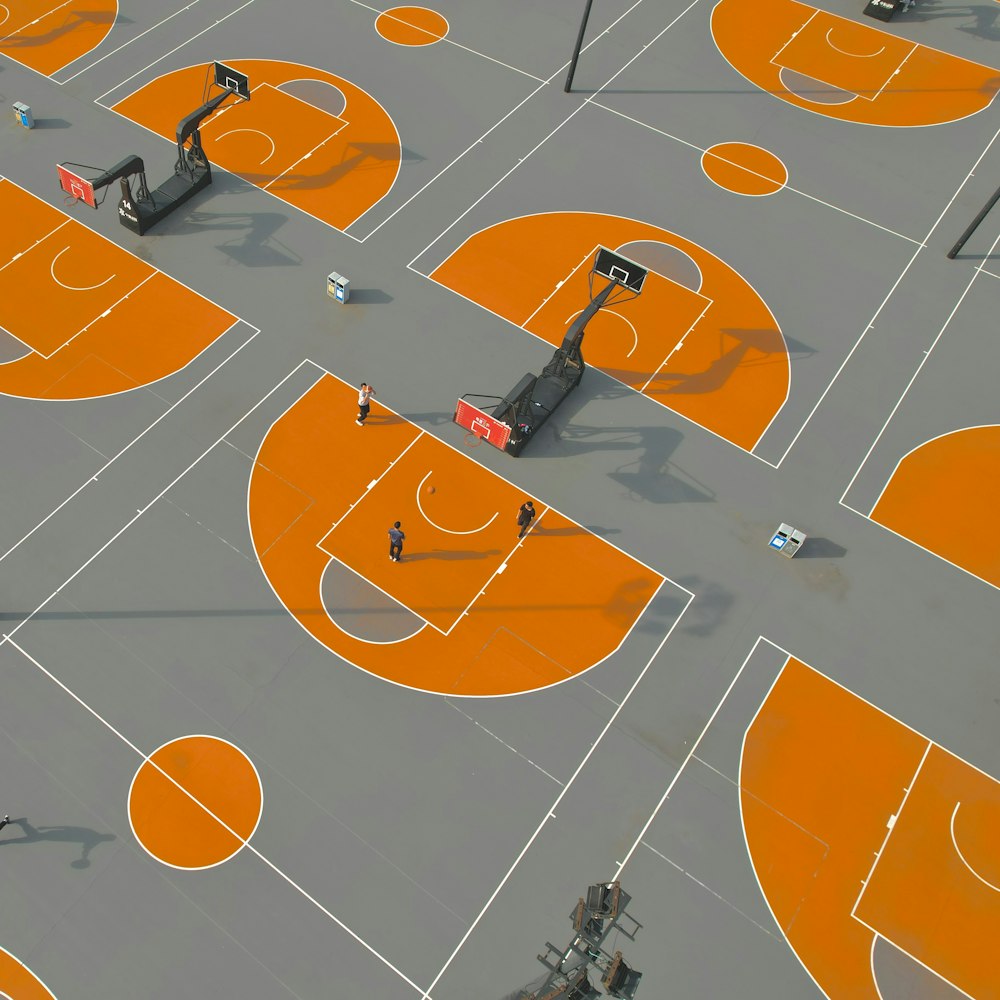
[
  {"x": 232, "y": 80},
  {"x": 482, "y": 424},
  {"x": 618, "y": 268},
  {"x": 76, "y": 186}
]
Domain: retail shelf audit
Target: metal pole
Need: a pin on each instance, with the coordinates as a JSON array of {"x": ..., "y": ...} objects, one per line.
[
  {"x": 972, "y": 226},
  {"x": 576, "y": 50}
]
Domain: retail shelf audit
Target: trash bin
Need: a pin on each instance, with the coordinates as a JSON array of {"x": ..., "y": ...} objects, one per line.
[
  {"x": 23, "y": 114},
  {"x": 338, "y": 287},
  {"x": 787, "y": 540}
]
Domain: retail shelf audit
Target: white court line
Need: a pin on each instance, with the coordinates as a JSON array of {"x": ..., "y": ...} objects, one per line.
[
  {"x": 890, "y": 826},
  {"x": 709, "y": 890},
  {"x": 41, "y": 17},
  {"x": 447, "y": 38},
  {"x": 916, "y": 447},
  {"x": 135, "y": 38},
  {"x": 786, "y": 187},
  {"x": 100, "y": 316},
  {"x": 6, "y": 11},
  {"x": 76, "y": 288},
  {"x": 285, "y": 203},
  {"x": 685, "y": 762},
  {"x": 975, "y": 274},
  {"x": 38, "y": 242},
  {"x": 791, "y": 38},
  {"x": 550, "y": 813},
  {"x": 878, "y": 311},
  {"x": 370, "y": 486},
  {"x": 576, "y": 267},
  {"x": 94, "y": 478},
  {"x": 493, "y": 472},
  {"x": 913, "y": 958},
  {"x": 680, "y": 343},
  {"x": 305, "y": 156},
  {"x": 248, "y": 846},
  {"x": 961, "y": 856},
  {"x": 866, "y": 97},
  {"x": 439, "y": 527},
  {"x": 138, "y": 72},
  {"x": 566, "y": 120}
]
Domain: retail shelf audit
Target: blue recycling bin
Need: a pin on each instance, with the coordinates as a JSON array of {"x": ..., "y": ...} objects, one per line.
[
  {"x": 338, "y": 287},
  {"x": 23, "y": 114}
]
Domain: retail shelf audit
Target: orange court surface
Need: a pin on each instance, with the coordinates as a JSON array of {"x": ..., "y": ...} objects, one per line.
[
  {"x": 249, "y": 755},
  {"x": 712, "y": 352},
  {"x": 46, "y": 35},
  {"x": 829, "y": 782},
  {"x": 493, "y": 614},
  {"x": 106, "y": 311},
  {"x": 882, "y": 80},
  {"x": 334, "y": 162}
]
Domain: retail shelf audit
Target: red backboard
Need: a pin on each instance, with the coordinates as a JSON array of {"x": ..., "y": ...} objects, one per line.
[
  {"x": 77, "y": 186},
  {"x": 482, "y": 424}
]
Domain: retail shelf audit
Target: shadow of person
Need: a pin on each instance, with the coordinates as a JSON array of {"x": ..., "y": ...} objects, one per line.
[{"x": 87, "y": 839}]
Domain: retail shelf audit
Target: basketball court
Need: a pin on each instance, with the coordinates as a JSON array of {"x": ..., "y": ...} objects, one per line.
[{"x": 246, "y": 754}]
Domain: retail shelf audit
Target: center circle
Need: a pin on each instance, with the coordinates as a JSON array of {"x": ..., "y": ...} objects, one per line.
[
  {"x": 195, "y": 802},
  {"x": 744, "y": 168},
  {"x": 411, "y": 26}
]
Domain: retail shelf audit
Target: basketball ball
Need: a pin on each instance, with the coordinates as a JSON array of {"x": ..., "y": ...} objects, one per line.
[{"x": 430, "y": 489}]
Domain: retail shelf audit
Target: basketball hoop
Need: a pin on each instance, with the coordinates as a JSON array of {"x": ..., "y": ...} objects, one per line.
[
  {"x": 473, "y": 440},
  {"x": 70, "y": 200}
]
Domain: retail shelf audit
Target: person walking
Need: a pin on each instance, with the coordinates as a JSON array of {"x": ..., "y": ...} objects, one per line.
[
  {"x": 525, "y": 515},
  {"x": 365, "y": 393},
  {"x": 396, "y": 538}
]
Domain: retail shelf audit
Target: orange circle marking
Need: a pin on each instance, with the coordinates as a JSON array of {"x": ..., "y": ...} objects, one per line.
[
  {"x": 744, "y": 169},
  {"x": 411, "y": 26},
  {"x": 195, "y": 802},
  {"x": 18, "y": 982}
]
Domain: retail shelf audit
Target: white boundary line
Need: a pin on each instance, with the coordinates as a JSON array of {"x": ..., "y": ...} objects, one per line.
[
  {"x": 684, "y": 763},
  {"x": 913, "y": 958},
  {"x": 187, "y": 41},
  {"x": 916, "y": 447},
  {"x": 101, "y": 59},
  {"x": 875, "y": 315},
  {"x": 102, "y": 315},
  {"x": 837, "y": 86},
  {"x": 743, "y": 827},
  {"x": 818, "y": 111},
  {"x": 76, "y": 288},
  {"x": 890, "y": 826},
  {"x": 551, "y": 814},
  {"x": 785, "y": 187},
  {"x": 292, "y": 205},
  {"x": 445, "y": 38},
  {"x": 14, "y": 958},
  {"x": 29, "y": 24},
  {"x": 663, "y": 579},
  {"x": 976, "y": 272},
  {"x": 930, "y": 744},
  {"x": 694, "y": 423},
  {"x": 249, "y": 847}
]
